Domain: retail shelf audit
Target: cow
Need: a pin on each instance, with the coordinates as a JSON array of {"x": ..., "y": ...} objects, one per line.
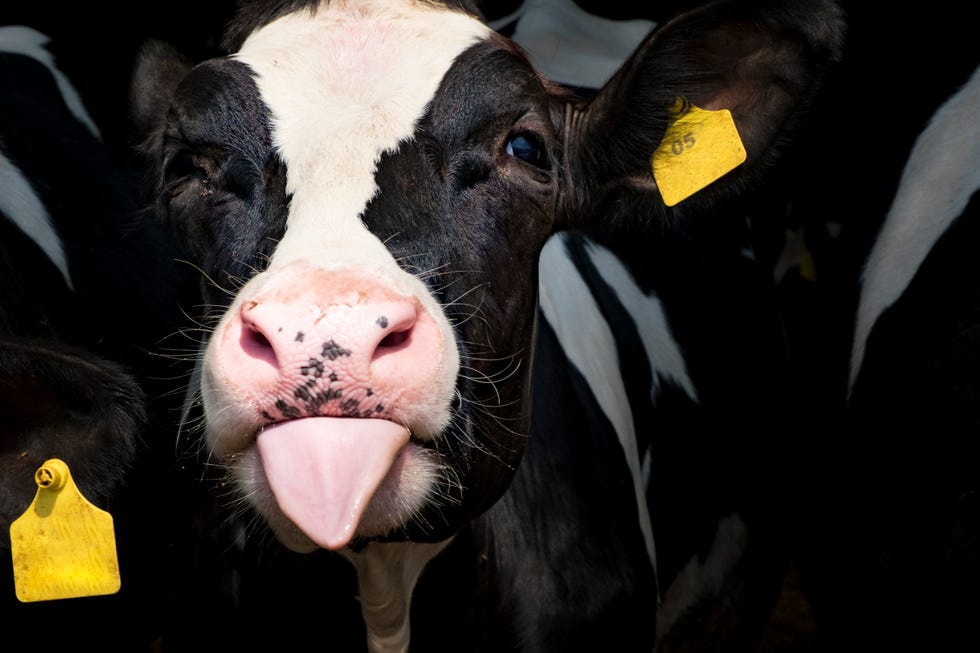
[
  {"x": 409, "y": 376},
  {"x": 82, "y": 305},
  {"x": 882, "y": 523},
  {"x": 906, "y": 513},
  {"x": 581, "y": 44}
]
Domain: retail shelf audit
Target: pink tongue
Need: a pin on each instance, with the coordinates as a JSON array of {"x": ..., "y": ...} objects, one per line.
[{"x": 324, "y": 471}]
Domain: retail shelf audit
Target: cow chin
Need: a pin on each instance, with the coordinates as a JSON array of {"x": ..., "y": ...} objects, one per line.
[{"x": 409, "y": 486}]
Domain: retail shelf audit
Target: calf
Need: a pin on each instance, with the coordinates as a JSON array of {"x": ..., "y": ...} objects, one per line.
[
  {"x": 76, "y": 326},
  {"x": 368, "y": 189},
  {"x": 48, "y": 375},
  {"x": 909, "y": 516}
]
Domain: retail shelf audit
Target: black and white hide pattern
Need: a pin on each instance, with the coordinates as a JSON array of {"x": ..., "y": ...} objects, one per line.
[
  {"x": 58, "y": 399},
  {"x": 907, "y": 531},
  {"x": 454, "y": 334},
  {"x": 86, "y": 289},
  {"x": 80, "y": 307},
  {"x": 717, "y": 355}
]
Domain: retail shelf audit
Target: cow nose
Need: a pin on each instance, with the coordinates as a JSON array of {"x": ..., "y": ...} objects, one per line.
[
  {"x": 330, "y": 348},
  {"x": 364, "y": 331},
  {"x": 345, "y": 336}
]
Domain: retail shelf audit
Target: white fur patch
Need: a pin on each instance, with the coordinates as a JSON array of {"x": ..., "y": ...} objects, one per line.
[
  {"x": 24, "y": 208},
  {"x": 662, "y": 350},
  {"x": 590, "y": 346},
  {"x": 942, "y": 173},
  {"x": 18, "y": 39},
  {"x": 572, "y": 46},
  {"x": 18, "y": 200},
  {"x": 344, "y": 86},
  {"x": 699, "y": 581},
  {"x": 386, "y": 577}
]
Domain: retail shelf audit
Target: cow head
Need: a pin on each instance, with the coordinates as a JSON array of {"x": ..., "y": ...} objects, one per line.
[{"x": 366, "y": 186}]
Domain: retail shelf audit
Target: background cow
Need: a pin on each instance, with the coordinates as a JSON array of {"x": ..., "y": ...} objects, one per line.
[
  {"x": 85, "y": 297},
  {"x": 743, "y": 314},
  {"x": 890, "y": 550},
  {"x": 912, "y": 405},
  {"x": 552, "y": 543}
]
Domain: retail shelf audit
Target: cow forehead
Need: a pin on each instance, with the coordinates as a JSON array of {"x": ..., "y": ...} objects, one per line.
[{"x": 343, "y": 85}]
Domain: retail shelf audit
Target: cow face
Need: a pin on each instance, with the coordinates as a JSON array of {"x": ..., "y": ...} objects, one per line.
[{"x": 366, "y": 187}]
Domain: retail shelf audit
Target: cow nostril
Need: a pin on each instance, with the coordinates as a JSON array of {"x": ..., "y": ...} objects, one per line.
[
  {"x": 394, "y": 339},
  {"x": 257, "y": 345},
  {"x": 397, "y": 329}
]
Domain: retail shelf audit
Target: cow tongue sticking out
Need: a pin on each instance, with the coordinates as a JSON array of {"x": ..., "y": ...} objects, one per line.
[{"x": 323, "y": 471}]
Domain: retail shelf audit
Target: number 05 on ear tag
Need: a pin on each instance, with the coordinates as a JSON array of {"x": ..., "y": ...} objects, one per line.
[
  {"x": 62, "y": 546},
  {"x": 699, "y": 147}
]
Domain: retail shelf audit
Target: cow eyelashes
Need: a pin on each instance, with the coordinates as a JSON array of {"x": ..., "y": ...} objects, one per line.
[
  {"x": 187, "y": 169},
  {"x": 212, "y": 172},
  {"x": 528, "y": 147}
]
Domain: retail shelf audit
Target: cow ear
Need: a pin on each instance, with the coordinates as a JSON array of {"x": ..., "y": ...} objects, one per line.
[
  {"x": 158, "y": 70},
  {"x": 763, "y": 62}
]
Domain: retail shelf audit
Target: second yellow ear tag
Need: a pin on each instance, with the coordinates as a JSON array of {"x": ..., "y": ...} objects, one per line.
[
  {"x": 699, "y": 147},
  {"x": 62, "y": 546}
]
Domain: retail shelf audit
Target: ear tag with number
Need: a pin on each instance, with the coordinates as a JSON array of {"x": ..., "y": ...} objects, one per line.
[
  {"x": 62, "y": 546},
  {"x": 699, "y": 147}
]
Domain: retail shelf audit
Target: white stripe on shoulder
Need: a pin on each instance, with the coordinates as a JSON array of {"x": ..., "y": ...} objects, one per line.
[
  {"x": 942, "y": 173},
  {"x": 663, "y": 352},
  {"x": 24, "y": 208},
  {"x": 585, "y": 337},
  {"x": 18, "y": 39}
]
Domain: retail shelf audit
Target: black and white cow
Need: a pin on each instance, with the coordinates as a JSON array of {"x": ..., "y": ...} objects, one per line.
[
  {"x": 368, "y": 189},
  {"x": 905, "y": 538},
  {"x": 884, "y": 524},
  {"x": 81, "y": 308}
]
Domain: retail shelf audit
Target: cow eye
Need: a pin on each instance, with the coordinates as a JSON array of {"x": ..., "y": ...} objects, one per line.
[
  {"x": 528, "y": 147},
  {"x": 186, "y": 164}
]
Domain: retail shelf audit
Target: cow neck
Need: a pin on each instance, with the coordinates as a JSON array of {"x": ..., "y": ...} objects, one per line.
[{"x": 386, "y": 577}]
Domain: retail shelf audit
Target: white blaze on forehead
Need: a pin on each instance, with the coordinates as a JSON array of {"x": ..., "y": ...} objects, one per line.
[{"x": 344, "y": 85}]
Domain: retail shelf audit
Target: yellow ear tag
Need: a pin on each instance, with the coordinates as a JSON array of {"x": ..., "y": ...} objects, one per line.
[
  {"x": 699, "y": 147},
  {"x": 63, "y": 546}
]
